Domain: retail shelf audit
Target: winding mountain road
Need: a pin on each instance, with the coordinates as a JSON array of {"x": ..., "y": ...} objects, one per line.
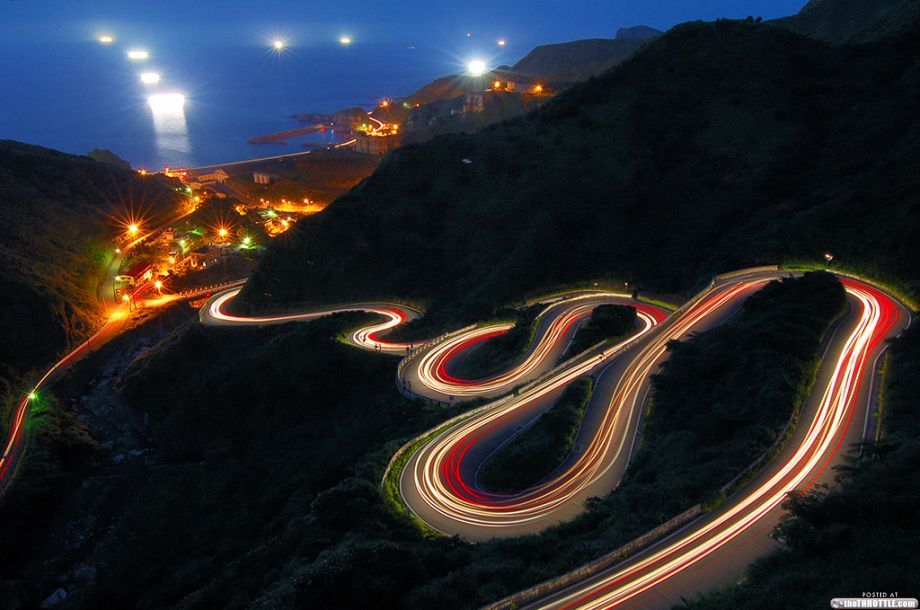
[{"x": 439, "y": 481}]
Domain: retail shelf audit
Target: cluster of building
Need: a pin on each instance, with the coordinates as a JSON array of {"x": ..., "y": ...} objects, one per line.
[
  {"x": 173, "y": 253},
  {"x": 378, "y": 141}
]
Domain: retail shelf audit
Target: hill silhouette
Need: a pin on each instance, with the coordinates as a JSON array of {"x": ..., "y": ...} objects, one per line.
[{"x": 719, "y": 145}]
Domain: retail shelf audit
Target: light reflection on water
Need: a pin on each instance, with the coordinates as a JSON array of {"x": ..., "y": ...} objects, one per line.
[{"x": 169, "y": 124}]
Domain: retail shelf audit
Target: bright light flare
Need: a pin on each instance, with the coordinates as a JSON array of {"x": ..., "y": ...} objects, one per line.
[
  {"x": 476, "y": 67},
  {"x": 222, "y": 232},
  {"x": 133, "y": 228},
  {"x": 278, "y": 45},
  {"x": 138, "y": 55},
  {"x": 501, "y": 42},
  {"x": 158, "y": 284},
  {"x": 106, "y": 39},
  {"x": 150, "y": 78},
  {"x": 345, "y": 40},
  {"x": 167, "y": 103}
]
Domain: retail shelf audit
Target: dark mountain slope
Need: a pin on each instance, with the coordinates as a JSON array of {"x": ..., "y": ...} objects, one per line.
[
  {"x": 718, "y": 146},
  {"x": 570, "y": 62},
  {"x": 59, "y": 217},
  {"x": 851, "y": 20}
]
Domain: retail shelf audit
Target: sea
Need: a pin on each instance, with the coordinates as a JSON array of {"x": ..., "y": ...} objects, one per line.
[{"x": 79, "y": 95}]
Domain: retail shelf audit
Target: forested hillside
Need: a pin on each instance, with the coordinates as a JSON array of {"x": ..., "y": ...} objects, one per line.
[
  {"x": 852, "y": 20},
  {"x": 719, "y": 145},
  {"x": 60, "y": 213}
]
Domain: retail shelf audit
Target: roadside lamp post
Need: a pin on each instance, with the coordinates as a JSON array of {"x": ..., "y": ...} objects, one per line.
[{"x": 828, "y": 257}]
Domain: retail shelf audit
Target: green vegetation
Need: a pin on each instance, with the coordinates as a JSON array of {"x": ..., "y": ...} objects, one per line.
[
  {"x": 851, "y": 20},
  {"x": 499, "y": 353},
  {"x": 606, "y": 322},
  {"x": 725, "y": 396},
  {"x": 59, "y": 219},
  {"x": 271, "y": 467},
  {"x": 861, "y": 536},
  {"x": 538, "y": 450},
  {"x": 267, "y": 486},
  {"x": 716, "y": 147},
  {"x": 60, "y": 453}
]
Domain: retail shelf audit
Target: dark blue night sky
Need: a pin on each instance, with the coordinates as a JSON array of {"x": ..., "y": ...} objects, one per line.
[
  {"x": 60, "y": 88},
  {"x": 526, "y": 22}
]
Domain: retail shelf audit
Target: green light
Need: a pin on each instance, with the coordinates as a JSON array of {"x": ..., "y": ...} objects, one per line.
[
  {"x": 247, "y": 240},
  {"x": 32, "y": 395}
]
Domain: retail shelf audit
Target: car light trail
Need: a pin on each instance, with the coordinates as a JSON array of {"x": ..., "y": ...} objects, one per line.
[
  {"x": 438, "y": 482},
  {"x": 431, "y": 368},
  {"x": 878, "y": 315},
  {"x": 434, "y": 484}
]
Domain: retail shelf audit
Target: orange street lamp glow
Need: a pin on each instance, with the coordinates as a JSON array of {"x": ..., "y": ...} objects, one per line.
[
  {"x": 158, "y": 285},
  {"x": 133, "y": 228},
  {"x": 125, "y": 298},
  {"x": 222, "y": 232},
  {"x": 538, "y": 89},
  {"x": 497, "y": 84}
]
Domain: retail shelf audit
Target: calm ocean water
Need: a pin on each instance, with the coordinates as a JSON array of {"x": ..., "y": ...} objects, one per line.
[{"x": 79, "y": 96}]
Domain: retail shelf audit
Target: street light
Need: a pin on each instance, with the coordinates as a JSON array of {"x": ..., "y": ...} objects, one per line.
[
  {"x": 828, "y": 257},
  {"x": 158, "y": 285},
  {"x": 133, "y": 228},
  {"x": 476, "y": 67}
]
